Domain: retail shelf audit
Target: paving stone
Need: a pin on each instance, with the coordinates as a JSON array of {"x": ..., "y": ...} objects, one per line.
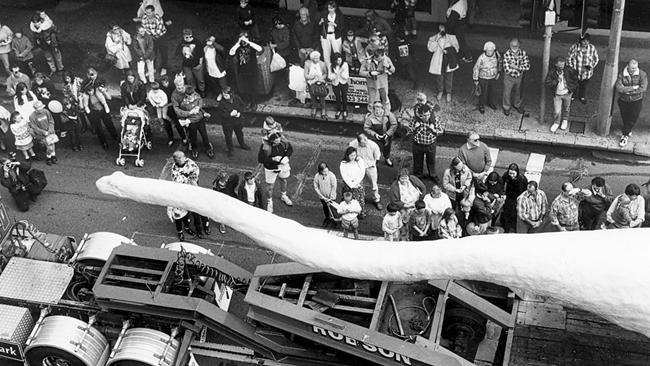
[
  {"x": 508, "y": 134},
  {"x": 592, "y": 141},
  {"x": 642, "y": 149}
]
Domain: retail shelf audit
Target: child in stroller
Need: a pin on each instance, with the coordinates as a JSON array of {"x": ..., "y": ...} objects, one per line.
[{"x": 135, "y": 134}]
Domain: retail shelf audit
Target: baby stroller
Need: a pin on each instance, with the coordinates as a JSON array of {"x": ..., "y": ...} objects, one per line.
[{"x": 135, "y": 134}]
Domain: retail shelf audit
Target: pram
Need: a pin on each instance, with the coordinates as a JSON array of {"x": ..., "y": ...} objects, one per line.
[{"x": 135, "y": 134}]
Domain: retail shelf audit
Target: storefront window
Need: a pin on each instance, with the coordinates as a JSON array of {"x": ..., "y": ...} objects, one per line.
[{"x": 422, "y": 5}]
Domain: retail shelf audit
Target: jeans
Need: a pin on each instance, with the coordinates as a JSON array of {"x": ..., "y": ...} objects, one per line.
[
  {"x": 149, "y": 73},
  {"x": 326, "y": 210},
  {"x": 488, "y": 92},
  {"x": 328, "y": 45},
  {"x": 525, "y": 228},
  {"x": 341, "y": 95},
  {"x": 27, "y": 66},
  {"x": 167, "y": 123},
  {"x": 183, "y": 222},
  {"x": 54, "y": 59},
  {"x": 511, "y": 92},
  {"x": 222, "y": 83},
  {"x": 4, "y": 57},
  {"x": 74, "y": 133},
  {"x": 423, "y": 153},
  {"x": 162, "y": 50},
  {"x": 200, "y": 128},
  {"x": 385, "y": 145},
  {"x": 561, "y": 107},
  {"x": 443, "y": 83},
  {"x": 195, "y": 77},
  {"x": 228, "y": 129},
  {"x": 99, "y": 117},
  {"x": 629, "y": 113},
  {"x": 371, "y": 177},
  {"x": 582, "y": 88},
  {"x": 379, "y": 94}
]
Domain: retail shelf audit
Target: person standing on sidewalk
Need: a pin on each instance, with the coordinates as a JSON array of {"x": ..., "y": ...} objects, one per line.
[
  {"x": 23, "y": 47},
  {"x": 564, "y": 210},
  {"x": 45, "y": 37},
  {"x": 376, "y": 71},
  {"x": 215, "y": 64},
  {"x": 631, "y": 86},
  {"x": 444, "y": 61},
  {"x": 16, "y": 77},
  {"x": 117, "y": 46},
  {"x": 316, "y": 77},
  {"x": 41, "y": 123},
  {"x": 531, "y": 209},
  {"x": 425, "y": 133},
  {"x": 381, "y": 125},
  {"x": 339, "y": 75},
  {"x": 186, "y": 171},
  {"x": 562, "y": 82},
  {"x": 188, "y": 106},
  {"x": 486, "y": 72},
  {"x": 332, "y": 26},
  {"x": 244, "y": 52},
  {"x": 246, "y": 19},
  {"x": 353, "y": 171},
  {"x": 6, "y": 36},
  {"x": 368, "y": 151},
  {"x": 191, "y": 51},
  {"x": 230, "y": 108},
  {"x": 325, "y": 187},
  {"x": 304, "y": 35},
  {"x": 227, "y": 184},
  {"x": 98, "y": 110},
  {"x": 145, "y": 53},
  {"x": 274, "y": 156},
  {"x": 154, "y": 25},
  {"x": 636, "y": 207},
  {"x": 476, "y": 155},
  {"x": 456, "y": 25},
  {"x": 515, "y": 63},
  {"x": 583, "y": 57}
]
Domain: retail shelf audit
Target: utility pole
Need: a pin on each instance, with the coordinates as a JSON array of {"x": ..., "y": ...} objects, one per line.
[
  {"x": 611, "y": 71},
  {"x": 549, "y": 21}
]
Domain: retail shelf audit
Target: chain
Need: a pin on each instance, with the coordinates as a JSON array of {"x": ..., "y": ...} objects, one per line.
[{"x": 185, "y": 258}]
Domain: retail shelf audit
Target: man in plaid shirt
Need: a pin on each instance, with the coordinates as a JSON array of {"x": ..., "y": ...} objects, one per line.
[
  {"x": 515, "y": 63},
  {"x": 531, "y": 209},
  {"x": 564, "y": 210},
  {"x": 583, "y": 58},
  {"x": 425, "y": 132},
  {"x": 155, "y": 27}
]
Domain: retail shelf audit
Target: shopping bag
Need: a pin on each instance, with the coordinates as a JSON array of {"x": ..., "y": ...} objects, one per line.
[
  {"x": 477, "y": 90},
  {"x": 297, "y": 80},
  {"x": 277, "y": 62}
]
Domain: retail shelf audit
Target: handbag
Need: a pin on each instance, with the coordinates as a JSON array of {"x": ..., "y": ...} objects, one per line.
[
  {"x": 51, "y": 139},
  {"x": 477, "y": 90},
  {"x": 277, "y": 62},
  {"x": 297, "y": 79},
  {"x": 320, "y": 89}
]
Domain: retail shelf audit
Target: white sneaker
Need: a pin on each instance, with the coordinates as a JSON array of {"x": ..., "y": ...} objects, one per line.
[
  {"x": 623, "y": 141},
  {"x": 286, "y": 199},
  {"x": 269, "y": 206},
  {"x": 554, "y": 127},
  {"x": 565, "y": 124}
]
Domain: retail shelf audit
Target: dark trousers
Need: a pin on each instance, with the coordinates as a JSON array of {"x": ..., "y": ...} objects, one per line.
[
  {"x": 22, "y": 199},
  {"x": 99, "y": 117},
  {"x": 170, "y": 132},
  {"x": 457, "y": 27},
  {"x": 162, "y": 50},
  {"x": 422, "y": 153},
  {"x": 228, "y": 129},
  {"x": 582, "y": 89},
  {"x": 74, "y": 133},
  {"x": 27, "y": 67},
  {"x": 341, "y": 95},
  {"x": 326, "y": 210},
  {"x": 182, "y": 223},
  {"x": 316, "y": 102},
  {"x": 630, "y": 114},
  {"x": 200, "y": 128},
  {"x": 200, "y": 222},
  {"x": 592, "y": 221},
  {"x": 220, "y": 83},
  {"x": 385, "y": 145},
  {"x": 488, "y": 92}
]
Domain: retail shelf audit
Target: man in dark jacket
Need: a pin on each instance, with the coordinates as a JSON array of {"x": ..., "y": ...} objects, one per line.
[
  {"x": 480, "y": 215},
  {"x": 592, "y": 209},
  {"x": 230, "y": 108},
  {"x": 631, "y": 85},
  {"x": 191, "y": 52},
  {"x": 227, "y": 184},
  {"x": 562, "y": 83},
  {"x": 145, "y": 54},
  {"x": 304, "y": 35},
  {"x": 15, "y": 178},
  {"x": 274, "y": 155},
  {"x": 188, "y": 106},
  {"x": 251, "y": 192}
]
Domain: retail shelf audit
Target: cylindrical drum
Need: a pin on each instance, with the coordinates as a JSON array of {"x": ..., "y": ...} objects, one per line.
[
  {"x": 97, "y": 247},
  {"x": 189, "y": 247},
  {"x": 62, "y": 340},
  {"x": 144, "y": 347}
]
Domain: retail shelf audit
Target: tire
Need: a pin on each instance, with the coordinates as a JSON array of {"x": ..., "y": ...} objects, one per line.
[{"x": 37, "y": 356}]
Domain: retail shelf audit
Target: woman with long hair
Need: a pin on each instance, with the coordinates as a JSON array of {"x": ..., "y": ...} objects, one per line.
[
  {"x": 24, "y": 100},
  {"x": 515, "y": 184},
  {"x": 339, "y": 75},
  {"x": 353, "y": 170},
  {"x": 332, "y": 25}
]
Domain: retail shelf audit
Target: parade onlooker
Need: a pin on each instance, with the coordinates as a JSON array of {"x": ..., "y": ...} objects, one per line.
[
  {"x": 562, "y": 82},
  {"x": 281, "y": 38},
  {"x": 406, "y": 190},
  {"x": 16, "y": 77},
  {"x": 476, "y": 155},
  {"x": 23, "y": 50},
  {"x": 339, "y": 75},
  {"x": 449, "y": 227},
  {"x": 426, "y": 129},
  {"x": 353, "y": 171},
  {"x": 436, "y": 204},
  {"x": 191, "y": 51},
  {"x": 405, "y": 22},
  {"x": 215, "y": 64},
  {"x": 325, "y": 187},
  {"x": 181, "y": 218},
  {"x": 595, "y": 205},
  {"x": 369, "y": 152},
  {"x": 456, "y": 25},
  {"x": 155, "y": 5},
  {"x": 98, "y": 110},
  {"x": 188, "y": 106},
  {"x": 151, "y": 20},
  {"x": 480, "y": 215},
  {"x": 631, "y": 86},
  {"x": 275, "y": 156},
  {"x": 186, "y": 171},
  {"x": 405, "y": 53},
  {"x": 376, "y": 71},
  {"x": 486, "y": 73},
  {"x": 246, "y": 19},
  {"x": 230, "y": 108},
  {"x": 515, "y": 184},
  {"x": 515, "y": 64},
  {"x": 583, "y": 57},
  {"x": 227, "y": 184},
  {"x": 332, "y": 25},
  {"x": 24, "y": 100},
  {"x": 616, "y": 214},
  {"x": 444, "y": 61},
  {"x": 457, "y": 181},
  {"x": 564, "y": 210},
  {"x": 375, "y": 23},
  {"x": 158, "y": 99},
  {"x": 133, "y": 92},
  {"x": 497, "y": 192},
  {"x": 41, "y": 123},
  {"x": 392, "y": 222},
  {"x": 169, "y": 89},
  {"x": 304, "y": 35},
  {"x": 244, "y": 52},
  {"x": 24, "y": 141},
  {"x": 72, "y": 86},
  {"x": 316, "y": 75},
  {"x": 145, "y": 52},
  {"x": 380, "y": 125},
  {"x": 269, "y": 127},
  {"x": 46, "y": 38},
  {"x": 251, "y": 191},
  {"x": 349, "y": 209},
  {"x": 352, "y": 51},
  {"x": 72, "y": 123},
  {"x": 532, "y": 206},
  {"x": 117, "y": 46},
  {"x": 43, "y": 88},
  {"x": 6, "y": 36},
  {"x": 17, "y": 181},
  {"x": 7, "y": 140},
  {"x": 419, "y": 223}
]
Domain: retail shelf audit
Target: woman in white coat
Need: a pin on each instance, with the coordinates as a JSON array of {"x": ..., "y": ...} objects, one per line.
[
  {"x": 444, "y": 60},
  {"x": 353, "y": 170},
  {"x": 117, "y": 46}
]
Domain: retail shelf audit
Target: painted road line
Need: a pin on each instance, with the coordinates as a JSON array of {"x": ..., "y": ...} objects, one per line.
[
  {"x": 494, "y": 155},
  {"x": 535, "y": 166},
  {"x": 306, "y": 171}
]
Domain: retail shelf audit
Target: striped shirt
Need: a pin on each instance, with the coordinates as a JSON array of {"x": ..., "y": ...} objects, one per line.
[
  {"x": 532, "y": 207},
  {"x": 564, "y": 211}
]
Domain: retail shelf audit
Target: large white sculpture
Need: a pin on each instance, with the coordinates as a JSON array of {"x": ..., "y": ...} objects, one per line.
[{"x": 605, "y": 272}]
